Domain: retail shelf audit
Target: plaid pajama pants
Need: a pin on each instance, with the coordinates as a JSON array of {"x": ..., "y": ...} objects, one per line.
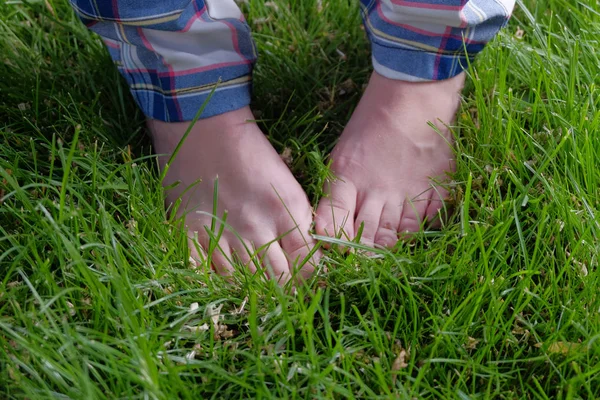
[{"x": 173, "y": 52}]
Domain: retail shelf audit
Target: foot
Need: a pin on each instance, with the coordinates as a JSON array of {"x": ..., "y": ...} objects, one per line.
[
  {"x": 389, "y": 162},
  {"x": 267, "y": 210}
]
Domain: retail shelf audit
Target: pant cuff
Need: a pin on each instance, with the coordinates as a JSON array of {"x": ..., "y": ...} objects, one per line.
[
  {"x": 416, "y": 66},
  {"x": 184, "y": 104}
]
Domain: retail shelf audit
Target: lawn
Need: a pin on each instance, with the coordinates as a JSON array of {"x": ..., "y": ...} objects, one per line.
[{"x": 98, "y": 299}]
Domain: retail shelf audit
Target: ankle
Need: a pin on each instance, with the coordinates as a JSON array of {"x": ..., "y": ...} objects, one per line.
[
  {"x": 429, "y": 91},
  {"x": 166, "y": 135}
]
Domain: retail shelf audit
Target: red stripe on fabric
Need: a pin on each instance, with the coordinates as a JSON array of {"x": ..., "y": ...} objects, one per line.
[
  {"x": 110, "y": 44},
  {"x": 194, "y": 18},
  {"x": 211, "y": 67},
  {"x": 171, "y": 74},
  {"x": 463, "y": 20},
  {"x": 189, "y": 24},
  {"x": 438, "y": 59},
  {"x": 200, "y": 10},
  {"x": 115, "y": 9},
  {"x": 234, "y": 39}
]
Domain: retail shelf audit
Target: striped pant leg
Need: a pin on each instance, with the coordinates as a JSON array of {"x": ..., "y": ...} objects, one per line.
[
  {"x": 425, "y": 40},
  {"x": 174, "y": 52}
]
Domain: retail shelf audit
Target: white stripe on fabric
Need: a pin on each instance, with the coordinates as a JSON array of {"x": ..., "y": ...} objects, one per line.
[
  {"x": 426, "y": 16},
  {"x": 478, "y": 11},
  {"x": 203, "y": 45}
]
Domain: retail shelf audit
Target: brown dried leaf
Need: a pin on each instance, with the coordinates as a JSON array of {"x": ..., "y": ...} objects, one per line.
[
  {"x": 519, "y": 33},
  {"x": 399, "y": 363},
  {"x": 12, "y": 374},
  {"x": 564, "y": 348},
  {"x": 131, "y": 226},
  {"x": 347, "y": 87},
  {"x": 199, "y": 328},
  {"x": 238, "y": 311},
  {"x": 221, "y": 331},
  {"x": 261, "y": 21},
  {"x": 71, "y": 307},
  {"x": 13, "y": 284},
  {"x": 227, "y": 334},
  {"x": 471, "y": 343},
  {"x": 287, "y": 157}
]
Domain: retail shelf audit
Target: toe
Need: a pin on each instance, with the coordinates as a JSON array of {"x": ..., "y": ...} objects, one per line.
[
  {"x": 413, "y": 212},
  {"x": 274, "y": 262},
  {"x": 436, "y": 210},
  {"x": 244, "y": 251},
  {"x": 221, "y": 259},
  {"x": 297, "y": 245},
  {"x": 293, "y": 231},
  {"x": 387, "y": 232},
  {"x": 336, "y": 210},
  {"x": 197, "y": 253},
  {"x": 368, "y": 215}
]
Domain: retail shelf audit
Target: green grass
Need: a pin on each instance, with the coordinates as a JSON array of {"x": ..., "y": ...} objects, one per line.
[{"x": 98, "y": 300}]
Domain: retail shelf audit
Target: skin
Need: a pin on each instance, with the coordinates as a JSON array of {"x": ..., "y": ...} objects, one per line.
[
  {"x": 387, "y": 165},
  {"x": 388, "y": 160},
  {"x": 256, "y": 188}
]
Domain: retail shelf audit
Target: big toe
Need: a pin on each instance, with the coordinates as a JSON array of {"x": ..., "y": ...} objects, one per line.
[
  {"x": 219, "y": 256},
  {"x": 299, "y": 246},
  {"x": 275, "y": 263},
  {"x": 336, "y": 210}
]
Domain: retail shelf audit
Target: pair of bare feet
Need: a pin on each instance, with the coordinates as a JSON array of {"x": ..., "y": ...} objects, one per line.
[{"x": 386, "y": 162}]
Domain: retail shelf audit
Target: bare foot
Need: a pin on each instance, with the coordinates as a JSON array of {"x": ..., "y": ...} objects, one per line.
[
  {"x": 262, "y": 199},
  {"x": 388, "y": 160}
]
